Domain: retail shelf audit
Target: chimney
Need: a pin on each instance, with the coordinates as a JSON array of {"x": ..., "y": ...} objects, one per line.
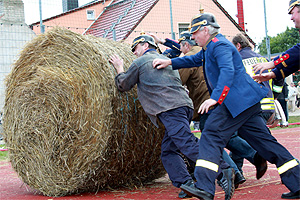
[
  {"x": 240, "y": 14},
  {"x": 69, "y": 5}
]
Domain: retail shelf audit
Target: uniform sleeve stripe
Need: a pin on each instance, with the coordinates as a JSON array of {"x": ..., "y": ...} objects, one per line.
[
  {"x": 223, "y": 94},
  {"x": 281, "y": 59}
]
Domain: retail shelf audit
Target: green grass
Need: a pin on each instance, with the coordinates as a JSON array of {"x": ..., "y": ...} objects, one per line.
[
  {"x": 3, "y": 154},
  {"x": 292, "y": 119}
]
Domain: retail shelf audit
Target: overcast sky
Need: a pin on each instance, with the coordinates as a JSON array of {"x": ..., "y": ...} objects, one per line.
[
  {"x": 277, "y": 16},
  {"x": 276, "y": 13}
]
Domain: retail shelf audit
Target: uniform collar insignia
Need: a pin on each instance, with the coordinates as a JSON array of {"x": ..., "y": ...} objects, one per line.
[{"x": 210, "y": 39}]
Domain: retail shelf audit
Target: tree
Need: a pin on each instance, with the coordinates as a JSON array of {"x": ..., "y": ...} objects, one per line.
[{"x": 280, "y": 43}]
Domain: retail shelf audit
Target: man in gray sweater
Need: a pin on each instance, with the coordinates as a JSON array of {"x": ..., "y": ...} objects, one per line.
[{"x": 163, "y": 97}]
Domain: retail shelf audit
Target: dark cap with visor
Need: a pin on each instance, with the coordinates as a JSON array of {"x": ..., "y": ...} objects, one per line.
[
  {"x": 142, "y": 38},
  {"x": 203, "y": 19},
  {"x": 292, "y": 4}
]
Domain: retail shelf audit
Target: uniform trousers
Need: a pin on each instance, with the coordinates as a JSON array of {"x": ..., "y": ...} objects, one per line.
[
  {"x": 218, "y": 129},
  {"x": 240, "y": 149},
  {"x": 179, "y": 139}
]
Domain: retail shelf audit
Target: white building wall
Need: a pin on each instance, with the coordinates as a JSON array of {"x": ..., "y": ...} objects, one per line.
[{"x": 14, "y": 34}]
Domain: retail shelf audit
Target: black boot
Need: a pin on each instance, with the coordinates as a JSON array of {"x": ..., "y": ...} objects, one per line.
[
  {"x": 192, "y": 190},
  {"x": 239, "y": 179},
  {"x": 227, "y": 182},
  {"x": 261, "y": 165},
  {"x": 183, "y": 195}
]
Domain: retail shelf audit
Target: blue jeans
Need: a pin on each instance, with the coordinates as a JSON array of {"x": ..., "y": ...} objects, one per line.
[
  {"x": 230, "y": 161},
  {"x": 240, "y": 149}
]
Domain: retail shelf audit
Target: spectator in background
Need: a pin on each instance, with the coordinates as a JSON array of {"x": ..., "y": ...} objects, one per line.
[
  {"x": 292, "y": 97},
  {"x": 283, "y": 100},
  {"x": 298, "y": 95}
]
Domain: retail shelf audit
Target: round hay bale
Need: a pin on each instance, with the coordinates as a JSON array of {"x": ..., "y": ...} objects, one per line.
[{"x": 68, "y": 129}]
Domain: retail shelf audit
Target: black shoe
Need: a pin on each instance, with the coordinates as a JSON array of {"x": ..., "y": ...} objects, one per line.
[
  {"x": 183, "y": 195},
  {"x": 227, "y": 182},
  {"x": 261, "y": 166},
  {"x": 239, "y": 179},
  {"x": 291, "y": 195},
  {"x": 191, "y": 190}
]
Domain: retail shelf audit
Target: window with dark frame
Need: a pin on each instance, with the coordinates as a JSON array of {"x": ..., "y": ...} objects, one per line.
[{"x": 90, "y": 14}]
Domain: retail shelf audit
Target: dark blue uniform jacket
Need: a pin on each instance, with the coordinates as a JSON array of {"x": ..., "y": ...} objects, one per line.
[
  {"x": 225, "y": 74},
  {"x": 287, "y": 63}
]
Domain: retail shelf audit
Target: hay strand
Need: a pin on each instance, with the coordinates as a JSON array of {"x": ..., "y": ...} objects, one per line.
[{"x": 66, "y": 126}]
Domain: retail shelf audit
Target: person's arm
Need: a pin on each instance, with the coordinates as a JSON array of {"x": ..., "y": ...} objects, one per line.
[
  {"x": 263, "y": 66},
  {"x": 264, "y": 77},
  {"x": 157, "y": 39},
  {"x": 174, "y": 50},
  {"x": 283, "y": 65},
  {"x": 181, "y": 62},
  {"x": 288, "y": 62},
  {"x": 124, "y": 80},
  {"x": 172, "y": 44}
]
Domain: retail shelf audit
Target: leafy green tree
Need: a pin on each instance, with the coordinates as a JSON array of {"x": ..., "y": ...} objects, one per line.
[{"x": 280, "y": 43}]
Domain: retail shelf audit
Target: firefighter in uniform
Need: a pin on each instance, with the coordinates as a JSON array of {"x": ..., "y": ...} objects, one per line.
[
  {"x": 287, "y": 63},
  {"x": 163, "y": 98},
  {"x": 250, "y": 58},
  {"x": 237, "y": 99},
  {"x": 194, "y": 79}
]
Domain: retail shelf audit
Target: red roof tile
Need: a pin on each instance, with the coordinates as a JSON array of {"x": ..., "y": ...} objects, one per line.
[{"x": 122, "y": 16}]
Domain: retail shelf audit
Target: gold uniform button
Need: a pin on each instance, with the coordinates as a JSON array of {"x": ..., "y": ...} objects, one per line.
[
  {"x": 224, "y": 95},
  {"x": 221, "y": 99}
]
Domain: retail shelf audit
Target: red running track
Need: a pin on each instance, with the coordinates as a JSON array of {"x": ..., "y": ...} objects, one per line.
[{"x": 269, "y": 187}]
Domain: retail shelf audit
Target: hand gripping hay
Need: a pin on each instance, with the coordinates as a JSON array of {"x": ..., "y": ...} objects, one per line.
[{"x": 67, "y": 127}]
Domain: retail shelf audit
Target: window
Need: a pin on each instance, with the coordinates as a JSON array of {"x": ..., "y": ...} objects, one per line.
[
  {"x": 183, "y": 27},
  {"x": 90, "y": 14}
]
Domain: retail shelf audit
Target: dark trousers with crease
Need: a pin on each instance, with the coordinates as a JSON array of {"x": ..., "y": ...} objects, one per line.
[
  {"x": 178, "y": 139},
  {"x": 218, "y": 129}
]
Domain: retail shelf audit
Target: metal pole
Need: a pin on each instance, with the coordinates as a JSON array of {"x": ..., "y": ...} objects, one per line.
[
  {"x": 266, "y": 30},
  {"x": 171, "y": 17},
  {"x": 42, "y": 27},
  {"x": 114, "y": 34}
]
